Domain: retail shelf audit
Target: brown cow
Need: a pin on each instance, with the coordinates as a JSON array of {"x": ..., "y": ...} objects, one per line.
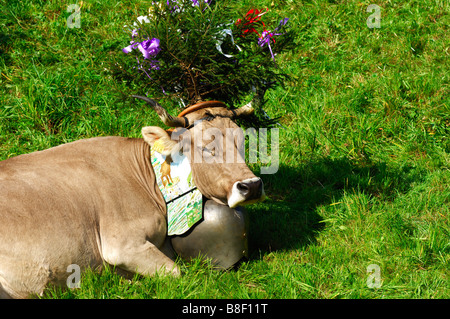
[{"x": 96, "y": 201}]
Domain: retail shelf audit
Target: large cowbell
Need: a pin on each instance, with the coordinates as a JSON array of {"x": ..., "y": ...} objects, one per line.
[{"x": 221, "y": 236}]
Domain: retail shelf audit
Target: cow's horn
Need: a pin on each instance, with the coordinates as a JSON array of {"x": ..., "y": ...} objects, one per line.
[
  {"x": 245, "y": 110},
  {"x": 165, "y": 117}
]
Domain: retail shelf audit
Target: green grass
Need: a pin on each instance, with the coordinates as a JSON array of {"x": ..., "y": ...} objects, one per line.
[{"x": 364, "y": 156}]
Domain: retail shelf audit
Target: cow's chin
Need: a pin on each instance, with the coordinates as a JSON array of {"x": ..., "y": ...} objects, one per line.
[
  {"x": 233, "y": 202},
  {"x": 219, "y": 201},
  {"x": 237, "y": 200},
  {"x": 245, "y": 202}
]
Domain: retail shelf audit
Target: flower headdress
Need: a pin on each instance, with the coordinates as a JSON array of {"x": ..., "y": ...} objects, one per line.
[{"x": 194, "y": 50}]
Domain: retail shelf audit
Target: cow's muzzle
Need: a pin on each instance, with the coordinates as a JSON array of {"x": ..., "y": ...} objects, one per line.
[{"x": 246, "y": 192}]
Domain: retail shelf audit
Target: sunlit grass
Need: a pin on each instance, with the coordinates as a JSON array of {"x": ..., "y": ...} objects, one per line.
[{"x": 364, "y": 164}]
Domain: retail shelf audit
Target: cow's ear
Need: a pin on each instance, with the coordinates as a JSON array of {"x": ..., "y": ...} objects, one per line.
[{"x": 159, "y": 139}]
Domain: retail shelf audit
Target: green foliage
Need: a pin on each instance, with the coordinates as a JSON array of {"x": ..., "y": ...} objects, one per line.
[
  {"x": 190, "y": 66},
  {"x": 364, "y": 156}
]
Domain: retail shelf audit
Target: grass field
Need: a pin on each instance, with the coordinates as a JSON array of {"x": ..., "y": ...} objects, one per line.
[{"x": 364, "y": 157}]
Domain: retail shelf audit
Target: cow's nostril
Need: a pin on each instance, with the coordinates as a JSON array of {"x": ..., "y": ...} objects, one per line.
[
  {"x": 250, "y": 189},
  {"x": 243, "y": 188}
]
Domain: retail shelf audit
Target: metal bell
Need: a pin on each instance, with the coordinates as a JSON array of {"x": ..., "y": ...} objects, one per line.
[{"x": 220, "y": 236}]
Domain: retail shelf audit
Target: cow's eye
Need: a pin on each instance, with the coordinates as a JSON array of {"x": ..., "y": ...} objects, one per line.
[{"x": 208, "y": 116}]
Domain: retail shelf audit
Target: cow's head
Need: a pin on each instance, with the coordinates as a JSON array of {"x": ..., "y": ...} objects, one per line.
[{"x": 207, "y": 137}]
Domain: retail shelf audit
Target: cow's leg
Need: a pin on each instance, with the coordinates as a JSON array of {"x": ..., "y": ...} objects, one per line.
[
  {"x": 137, "y": 243},
  {"x": 4, "y": 294},
  {"x": 145, "y": 259},
  {"x": 167, "y": 249},
  {"x": 7, "y": 292}
]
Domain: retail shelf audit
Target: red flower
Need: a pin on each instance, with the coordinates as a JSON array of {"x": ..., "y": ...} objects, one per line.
[{"x": 251, "y": 21}]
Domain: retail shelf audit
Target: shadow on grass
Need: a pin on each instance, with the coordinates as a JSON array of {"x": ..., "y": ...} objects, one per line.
[{"x": 288, "y": 219}]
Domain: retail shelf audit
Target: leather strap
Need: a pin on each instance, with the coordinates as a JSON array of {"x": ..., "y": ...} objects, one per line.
[{"x": 201, "y": 105}]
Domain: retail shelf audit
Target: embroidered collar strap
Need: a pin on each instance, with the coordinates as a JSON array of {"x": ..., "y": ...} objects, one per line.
[{"x": 183, "y": 199}]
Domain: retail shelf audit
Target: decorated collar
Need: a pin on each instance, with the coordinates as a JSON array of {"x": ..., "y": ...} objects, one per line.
[{"x": 183, "y": 199}]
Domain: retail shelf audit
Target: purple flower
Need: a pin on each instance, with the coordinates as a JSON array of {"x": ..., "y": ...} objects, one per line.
[
  {"x": 149, "y": 48},
  {"x": 174, "y": 6},
  {"x": 282, "y": 23},
  {"x": 154, "y": 65},
  {"x": 196, "y": 3},
  {"x": 130, "y": 48},
  {"x": 266, "y": 36}
]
